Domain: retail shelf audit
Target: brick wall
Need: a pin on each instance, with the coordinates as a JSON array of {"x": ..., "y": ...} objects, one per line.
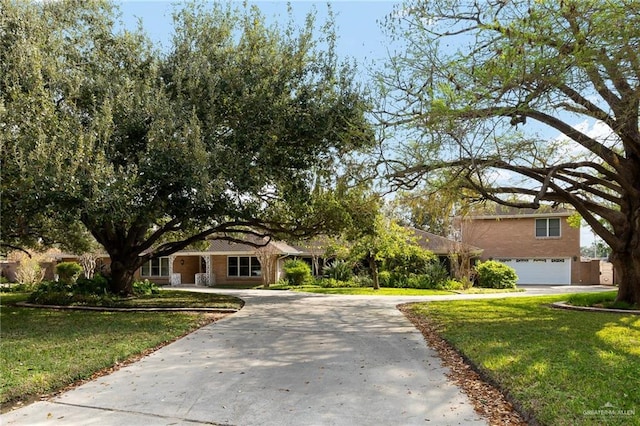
[{"x": 515, "y": 238}]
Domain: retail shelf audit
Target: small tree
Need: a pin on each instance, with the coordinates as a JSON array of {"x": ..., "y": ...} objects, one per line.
[
  {"x": 89, "y": 262},
  {"x": 268, "y": 257},
  {"x": 29, "y": 271}
]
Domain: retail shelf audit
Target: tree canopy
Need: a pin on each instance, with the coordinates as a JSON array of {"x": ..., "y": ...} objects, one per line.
[
  {"x": 226, "y": 132},
  {"x": 502, "y": 98}
]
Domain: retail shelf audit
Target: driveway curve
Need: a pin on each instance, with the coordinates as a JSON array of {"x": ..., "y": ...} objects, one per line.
[{"x": 285, "y": 359}]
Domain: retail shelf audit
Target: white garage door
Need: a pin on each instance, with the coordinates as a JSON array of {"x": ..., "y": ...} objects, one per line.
[{"x": 541, "y": 271}]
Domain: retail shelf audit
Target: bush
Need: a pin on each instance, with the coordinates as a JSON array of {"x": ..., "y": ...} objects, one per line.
[
  {"x": 492, "y": 274},
  {"x": 145, "y": 288},
  {"x": 339, "y": 270},
  {"x": 96, "y": 285},
  {"x": 68, "y": 272},
  {"x": 384, "y": 279},
  {"x": 297, "y": 272}
]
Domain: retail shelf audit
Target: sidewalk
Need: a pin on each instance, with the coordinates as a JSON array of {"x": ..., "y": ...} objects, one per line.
[{"x": 284, "y": 359}]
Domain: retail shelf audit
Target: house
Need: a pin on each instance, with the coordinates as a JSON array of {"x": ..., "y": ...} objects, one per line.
[
  {"x": 234, "y": 263},
  {"x": 444, "y": 248},
  {"x": 222, "y": 263},
  {"x": 539, "y": 244}
]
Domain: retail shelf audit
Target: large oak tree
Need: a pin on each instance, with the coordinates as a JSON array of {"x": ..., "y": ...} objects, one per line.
[
  {"x": 225, "y": 132},
  {"x": 502, "y": 97}
]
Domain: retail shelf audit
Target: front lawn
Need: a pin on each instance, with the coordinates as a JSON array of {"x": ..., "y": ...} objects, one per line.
[
  {"x": 44, "y": 350},
  {"x": 387, "y": 291},
  {"x": 563, "y": 367},
  {"x": 364, "y": 291}
]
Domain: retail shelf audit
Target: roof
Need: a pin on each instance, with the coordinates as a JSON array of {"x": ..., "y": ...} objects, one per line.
[
  {"x": 505, "y": 212},
  {"x": 441, "y": 245},
  {"x": 223, "y": 246}
]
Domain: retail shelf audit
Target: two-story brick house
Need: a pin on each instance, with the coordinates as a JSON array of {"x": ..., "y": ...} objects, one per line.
[{"x": 539, "y": 244}]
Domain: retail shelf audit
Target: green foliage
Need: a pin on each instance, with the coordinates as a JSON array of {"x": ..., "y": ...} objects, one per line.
[
  {"x": 493, "y": 274},
  {"x": 340, "y": 270},
  {"x": 101, "y": 120},
  {"x": 433, "y": 276},
  {"x": 146, "y": 287},
  {"x": 475, "y": 112},
  {"x": 68, "y": 272},
  {"x": 84, "y": 291},
  {"x": 297, "y": 272},
  {"x": 411, "y": 259}
]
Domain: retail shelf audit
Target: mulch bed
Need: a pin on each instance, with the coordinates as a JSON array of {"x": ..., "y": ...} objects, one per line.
[{"x": 487, "y": 399}]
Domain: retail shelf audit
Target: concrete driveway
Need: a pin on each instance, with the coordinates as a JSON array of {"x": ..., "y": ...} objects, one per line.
[{"x": 285, "y": 359}]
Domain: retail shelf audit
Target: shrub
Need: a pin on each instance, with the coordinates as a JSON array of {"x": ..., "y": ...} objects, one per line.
[
  {"x": 452, "y": 284},
  {"x": 297, "y": 272},
  {"x": 492, "y": 274},
  {"x": 96, "y": 285},
  {"x": 331, "y": 283},
  {"x": 68, "y": 272},
  {"x": 361, "y": 281},
  {"x": 146, "y": 287},
  {"x": 384, "y": 279},
  {"x": 339, "y": 270}
]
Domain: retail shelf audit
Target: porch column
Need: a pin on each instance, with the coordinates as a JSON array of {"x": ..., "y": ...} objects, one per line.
[
  {"x": 174, "y": 279},
  {"x": 208, "y": 270}
]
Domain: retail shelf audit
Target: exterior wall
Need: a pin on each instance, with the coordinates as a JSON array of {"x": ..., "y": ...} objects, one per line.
[
  {"x": 219, "y": 266},
  {"x": 187, "y": 267},
  {"x": 515, "y": 238},
  {"x": 590, "y": 272}
]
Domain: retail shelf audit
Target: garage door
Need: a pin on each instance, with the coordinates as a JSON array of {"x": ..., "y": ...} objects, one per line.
[{"x": 541, "y": 271}]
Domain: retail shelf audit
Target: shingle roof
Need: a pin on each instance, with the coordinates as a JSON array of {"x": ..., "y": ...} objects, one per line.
[
  {"x": 498, "y": 211},
  {"x": 223, "y": 246},
  {"x": 441, "y": 245}
]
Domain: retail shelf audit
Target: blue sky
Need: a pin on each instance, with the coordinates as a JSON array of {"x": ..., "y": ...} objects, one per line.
[{"x": 360, "y": 35}]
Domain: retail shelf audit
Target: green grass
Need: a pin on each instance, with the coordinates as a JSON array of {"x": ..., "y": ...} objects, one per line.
[
  {"x": 368, "y": 291},
  {"x": 561, "y": 366},
  {"x": 601, "y": 300},
  {"x": 44, "y": 350},
  {"x": 385, "y": 291}
]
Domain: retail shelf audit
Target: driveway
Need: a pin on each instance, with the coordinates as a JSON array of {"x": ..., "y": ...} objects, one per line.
[{"x": 285, "y": 359}]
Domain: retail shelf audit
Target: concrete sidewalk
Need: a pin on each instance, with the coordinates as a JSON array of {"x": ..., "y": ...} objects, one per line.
[{"x": 284, "y": 359}]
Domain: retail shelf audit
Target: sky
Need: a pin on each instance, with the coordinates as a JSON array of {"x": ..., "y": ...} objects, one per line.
[{"x": 360, "y": 35}]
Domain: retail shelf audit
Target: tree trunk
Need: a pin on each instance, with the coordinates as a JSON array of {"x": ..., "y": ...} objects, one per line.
[
  {"x": 627, "y": 270},
  {"x": 373, "y": 265},
  {"x": 122, "y": 274}
]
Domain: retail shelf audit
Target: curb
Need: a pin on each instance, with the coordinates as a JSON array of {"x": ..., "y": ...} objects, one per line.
[
  {"x": 565, "y": 305},
  {"x": 115, "y": 309}
]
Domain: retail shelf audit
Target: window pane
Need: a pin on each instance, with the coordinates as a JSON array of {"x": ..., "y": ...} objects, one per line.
[
  {"x": 164, "y": 266},
  {"x": 541, "y": 227},
  {"x": 145, "y": 269},
  {"x": 255, "y": 267},
  {"x": 554, "y": 227},
  {"x": 155, "y": 267},
  {"x": 232, "y": 270},
  {"x": 244, "y": 266}
]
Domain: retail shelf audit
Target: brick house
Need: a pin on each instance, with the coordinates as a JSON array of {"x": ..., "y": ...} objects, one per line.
[{"x": 539, "y": 244}]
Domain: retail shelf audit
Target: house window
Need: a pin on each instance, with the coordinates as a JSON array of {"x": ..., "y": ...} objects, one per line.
[
  {"x": 158, "y": 267},
  {"x": 546, "y": 228},
  {"x": 243, "y": 266}
]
